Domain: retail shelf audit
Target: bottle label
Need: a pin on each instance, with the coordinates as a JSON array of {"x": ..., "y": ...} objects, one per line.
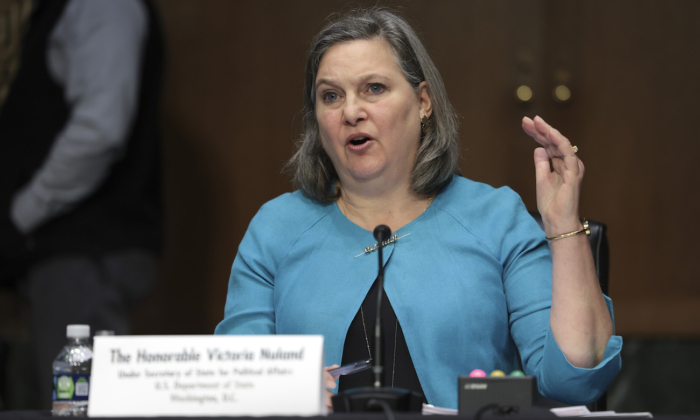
[{"x": 71, "y": 387}]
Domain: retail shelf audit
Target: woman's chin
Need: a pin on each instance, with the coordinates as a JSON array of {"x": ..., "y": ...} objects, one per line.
[
  {"x": 364, "y": 173},
  {"x": 371, "y": 178}
]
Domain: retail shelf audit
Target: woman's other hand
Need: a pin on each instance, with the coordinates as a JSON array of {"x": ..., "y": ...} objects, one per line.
[
  {"x": 576, "y": 296},
  {"x": 558, "y": 187},
  {"x": 330, "y": 384}
]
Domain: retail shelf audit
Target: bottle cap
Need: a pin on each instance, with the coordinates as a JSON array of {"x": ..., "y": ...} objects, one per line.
[
  {"x": 104, "y": 332},
  {"x": 78, "y": 331},
  {"x": 477, "y": 373}
]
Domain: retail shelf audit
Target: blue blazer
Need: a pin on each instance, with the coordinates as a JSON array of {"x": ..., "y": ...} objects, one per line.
[{"x": 471, "y": 286}]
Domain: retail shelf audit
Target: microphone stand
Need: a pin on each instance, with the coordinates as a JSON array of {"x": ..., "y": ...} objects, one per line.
[
  {"x": 381, "y": 234},
  {"x": 377, "y": 397}
]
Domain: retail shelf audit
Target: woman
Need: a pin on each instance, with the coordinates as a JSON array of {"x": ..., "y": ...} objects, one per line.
[{"x": 470, "y": 281}]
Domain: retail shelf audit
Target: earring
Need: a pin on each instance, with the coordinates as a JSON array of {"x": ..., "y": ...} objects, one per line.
[{"x": 424, "y": 123}]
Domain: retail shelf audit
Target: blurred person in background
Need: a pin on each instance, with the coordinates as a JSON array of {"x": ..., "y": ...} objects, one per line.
[{"x": 80, "y": 212}]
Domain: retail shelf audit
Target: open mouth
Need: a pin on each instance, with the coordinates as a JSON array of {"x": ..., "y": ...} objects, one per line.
[{"x": 359, "y": 140}]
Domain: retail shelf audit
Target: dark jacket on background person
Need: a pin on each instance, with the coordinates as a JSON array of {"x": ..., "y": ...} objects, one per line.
[{"x": 125, "y": 210}]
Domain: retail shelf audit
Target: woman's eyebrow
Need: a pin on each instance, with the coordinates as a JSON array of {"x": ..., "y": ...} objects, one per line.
[
  {"x": 320, "y": 82},
  {"x": 360, "y": 80},
  {"x": 367, "y": 77}
]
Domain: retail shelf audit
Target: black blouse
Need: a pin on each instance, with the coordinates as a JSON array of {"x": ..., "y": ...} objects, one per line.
[{"x": 399, "y": 371}]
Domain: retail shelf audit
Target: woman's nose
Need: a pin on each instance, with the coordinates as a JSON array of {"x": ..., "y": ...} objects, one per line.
[{"x": 353, "y": 111}]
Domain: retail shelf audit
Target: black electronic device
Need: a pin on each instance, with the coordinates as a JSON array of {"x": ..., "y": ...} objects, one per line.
[
  {"x": 351, "y": 368},
  {"x": 512, "y": 394}
]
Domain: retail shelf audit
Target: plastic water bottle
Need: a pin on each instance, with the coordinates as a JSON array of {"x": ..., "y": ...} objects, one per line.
[{"x": 71, "y": 373}]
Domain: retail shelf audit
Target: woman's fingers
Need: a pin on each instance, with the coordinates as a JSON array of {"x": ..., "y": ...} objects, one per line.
[
  {"x": 557, "y": 147},
  {"x": 537, "y": 131},
  {"x": 531, "y": 130},
  {"x": 559, "y": 173},
  {"x": 330, "y": 384},
  {"x": 329, "y": 403},
  {"x": 545, "y": 135},
  {"x": 561, "y": 145},
  {"x": 542, "y": 169},
  {"x": 330, "y": 380}
]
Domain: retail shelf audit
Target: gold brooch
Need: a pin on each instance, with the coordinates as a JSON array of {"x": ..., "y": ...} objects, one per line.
[{"x": 385, "y": 243}]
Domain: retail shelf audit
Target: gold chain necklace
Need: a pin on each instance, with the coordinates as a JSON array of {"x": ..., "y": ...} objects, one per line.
[{"x": 396, "y": 331}]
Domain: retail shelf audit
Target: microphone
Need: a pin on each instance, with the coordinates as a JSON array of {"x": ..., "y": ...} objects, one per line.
[
  {"x": 378, "y": 398},
  {"x": 381, "y": 234}
]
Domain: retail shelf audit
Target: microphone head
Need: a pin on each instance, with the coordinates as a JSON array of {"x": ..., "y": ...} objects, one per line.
[{"x": 382, "y": 233}]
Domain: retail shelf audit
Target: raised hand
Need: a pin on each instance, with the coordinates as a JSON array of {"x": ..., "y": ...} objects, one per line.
[
  {"x": 558, "y": 186},
  {"x": 576, "y": 296}
]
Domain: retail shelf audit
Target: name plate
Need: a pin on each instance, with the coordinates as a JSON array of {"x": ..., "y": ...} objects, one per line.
[{"x": 251, "y": 375}]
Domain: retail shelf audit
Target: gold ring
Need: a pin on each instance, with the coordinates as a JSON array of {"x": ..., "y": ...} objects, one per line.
[{"x": 575, "y": 149}]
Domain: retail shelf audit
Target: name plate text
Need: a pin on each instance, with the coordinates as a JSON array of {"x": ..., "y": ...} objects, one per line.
[{"x": 253, "y": 375}]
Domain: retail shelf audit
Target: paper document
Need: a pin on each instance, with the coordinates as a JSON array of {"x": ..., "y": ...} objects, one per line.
[
  {"x": 582, "y": 411},
  {"x": 431, "y": 409}
]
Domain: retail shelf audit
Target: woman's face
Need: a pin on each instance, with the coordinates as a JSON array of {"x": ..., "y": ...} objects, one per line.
[{"x": 368, "y": 113}]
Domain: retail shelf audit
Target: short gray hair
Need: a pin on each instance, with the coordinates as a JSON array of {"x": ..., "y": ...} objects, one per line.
[{"x": 438, "y": 155}]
